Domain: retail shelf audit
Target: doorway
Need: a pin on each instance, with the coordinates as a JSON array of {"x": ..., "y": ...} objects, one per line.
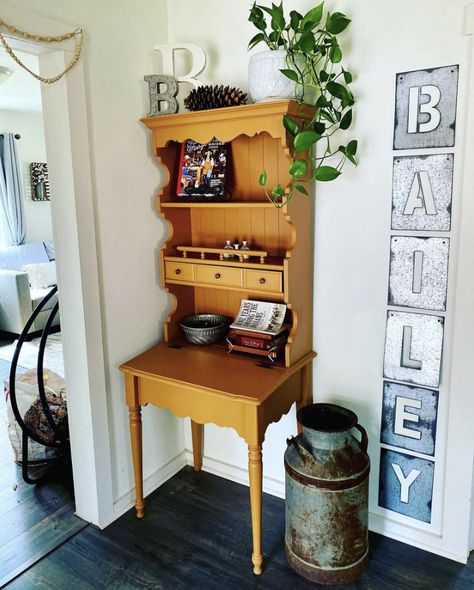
[{"x": 67, "y": 146}]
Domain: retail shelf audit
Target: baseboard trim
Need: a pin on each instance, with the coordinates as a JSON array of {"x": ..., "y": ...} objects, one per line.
[
  {"x": 274, "y": 487},
  {"x": 379, "y": 525},
  {"x": 150, "y": 484}
]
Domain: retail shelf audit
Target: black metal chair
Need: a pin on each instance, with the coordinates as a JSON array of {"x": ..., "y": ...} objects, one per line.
[{"x": 61, "y": 442}]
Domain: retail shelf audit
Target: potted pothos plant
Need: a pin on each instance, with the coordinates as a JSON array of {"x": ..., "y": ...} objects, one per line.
[{"x": 313, "y": 65}]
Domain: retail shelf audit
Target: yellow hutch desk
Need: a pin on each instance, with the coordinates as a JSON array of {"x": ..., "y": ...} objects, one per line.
[{"x": 205, "y": 383}]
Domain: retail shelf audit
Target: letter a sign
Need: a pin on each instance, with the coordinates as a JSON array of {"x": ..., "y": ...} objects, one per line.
[{"x": 425, "y": 109}]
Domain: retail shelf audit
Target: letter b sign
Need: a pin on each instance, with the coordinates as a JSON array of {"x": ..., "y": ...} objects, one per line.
[{"x": 426, "y": 108}]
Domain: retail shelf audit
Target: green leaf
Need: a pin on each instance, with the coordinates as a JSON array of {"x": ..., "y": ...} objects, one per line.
[
  {"x": 335, "y": 54},
  {"x": 295, "y": 19},
  {"x": 326, "y": 115},
  {"x": 351, "y": 148},
  {"x": 290, "y": 125},
  {"x": 326, "y": 173},
  {"x": 262, "y": 181},
  {"x": 305, "y": 140},
  {"x": 307, "y": 42},
  {"x": 312, "y": 18},
  {"x": 278, "y": 191},
  {"x": 269, "y": 11},
  {"x": 298, "y": 168},
  {"x": 256, "y": 40},
  {"x": 352, "y": 159},
  {"x": 291, "y": 74},
  {"x": 322, "y": 102},
  {"x": 319, "y": 127},
  {"x": 337, "y": 90},
  {"x": 346, "y": 120},
  {"x": 256, "y": 10},
  {"x": 278, "y": 20},
  {"x": 323, "y": 76},
  {"x": 260, "y": 24},
  {"x": 347, "y": 76},
  {"x": 336, "y": 23},
  {"x": 301, "y": 188}
]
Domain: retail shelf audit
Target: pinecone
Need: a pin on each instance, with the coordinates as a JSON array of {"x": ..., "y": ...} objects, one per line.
[{"x": 214, "y": 97}]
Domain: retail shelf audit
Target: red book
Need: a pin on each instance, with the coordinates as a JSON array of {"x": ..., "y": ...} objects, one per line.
[{"x": 260, "y": 343}]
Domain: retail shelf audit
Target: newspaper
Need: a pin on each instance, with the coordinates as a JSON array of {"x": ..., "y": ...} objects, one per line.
[{"x": 260, "y": 316}]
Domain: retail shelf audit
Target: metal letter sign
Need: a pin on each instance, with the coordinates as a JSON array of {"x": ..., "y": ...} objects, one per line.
[
  {"x": 418, "y": 272},
  {"x": 158, "y": 96},
  {"x": 406, "y": 484},
  {"x": 413, "y": 348},
  {"x": 409, "y": 417},
  {"x": 422, "y": 191},
  {"x": 425, "y": 108}
]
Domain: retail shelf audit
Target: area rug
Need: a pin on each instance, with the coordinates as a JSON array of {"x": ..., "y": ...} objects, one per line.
[{"x": 53, "y": 356}]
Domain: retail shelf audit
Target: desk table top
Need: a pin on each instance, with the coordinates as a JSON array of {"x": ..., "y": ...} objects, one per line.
[{"x": 212, "y": 368}]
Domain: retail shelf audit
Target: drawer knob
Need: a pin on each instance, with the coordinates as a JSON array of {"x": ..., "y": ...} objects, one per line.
[
  {"x": 217, "y": 275},
  {"x": 262, "y": 281},
  {"x": 178, "y": 271}
]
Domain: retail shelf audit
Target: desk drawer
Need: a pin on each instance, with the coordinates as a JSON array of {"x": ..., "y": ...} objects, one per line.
[
  {"x": 218, "y": 275},
  {"x": 266, "y": 280},
  {"x": 179, "y": 271}
]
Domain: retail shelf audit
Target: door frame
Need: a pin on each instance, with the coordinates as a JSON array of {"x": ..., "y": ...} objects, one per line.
[{"x": 72, "y": 209}]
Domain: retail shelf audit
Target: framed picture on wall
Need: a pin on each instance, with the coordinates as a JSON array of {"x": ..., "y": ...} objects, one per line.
[{"x": 39, "y": 181}]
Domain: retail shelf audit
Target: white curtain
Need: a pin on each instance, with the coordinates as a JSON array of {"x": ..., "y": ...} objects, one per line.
[{"x": 11, "y": 199}]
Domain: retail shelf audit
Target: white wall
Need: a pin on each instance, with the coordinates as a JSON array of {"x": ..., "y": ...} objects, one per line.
[
  {"x": 31, "y": 148},
  {"x": 352, "y": 237},
  {"x": 117, "y": 53},
  {"x": 351, "y": 227}
]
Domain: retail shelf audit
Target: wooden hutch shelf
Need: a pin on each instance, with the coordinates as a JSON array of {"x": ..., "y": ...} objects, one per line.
[
  {"x": 217, "y": 205},
  {"x": 206, "y": 383}
]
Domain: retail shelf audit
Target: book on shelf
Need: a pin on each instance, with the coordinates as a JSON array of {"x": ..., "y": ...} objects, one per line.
[
  {"x": 258, "y": 343},
  {"x": 260, "y": 317},
  {"x": 202, "y": 169}
]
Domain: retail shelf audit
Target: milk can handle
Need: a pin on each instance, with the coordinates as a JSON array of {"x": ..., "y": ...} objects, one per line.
[
  {"x": 364, "y": 442},
  {"x": 303, "y": 452}
]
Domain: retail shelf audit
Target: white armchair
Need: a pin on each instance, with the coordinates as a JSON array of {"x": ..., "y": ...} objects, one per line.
[
  {"x": 17, "y": 298},
  {"x": 17, "y": 302}
]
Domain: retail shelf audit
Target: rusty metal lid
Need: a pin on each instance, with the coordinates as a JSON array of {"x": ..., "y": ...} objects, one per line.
[{"x": 327, "y": 418}]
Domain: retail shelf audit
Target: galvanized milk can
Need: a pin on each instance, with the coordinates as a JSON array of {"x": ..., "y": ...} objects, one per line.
[{"x": 327, "y": 472}]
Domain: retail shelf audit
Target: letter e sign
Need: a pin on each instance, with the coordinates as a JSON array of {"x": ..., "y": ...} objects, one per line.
[{"x": 425, "y": 108}]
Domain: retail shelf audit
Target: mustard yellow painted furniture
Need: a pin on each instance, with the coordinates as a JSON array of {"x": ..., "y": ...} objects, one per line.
[{"x": 207, "y": 384}]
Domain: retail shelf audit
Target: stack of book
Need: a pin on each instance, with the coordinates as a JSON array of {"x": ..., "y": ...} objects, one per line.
[{"x": 259, "y": 329}]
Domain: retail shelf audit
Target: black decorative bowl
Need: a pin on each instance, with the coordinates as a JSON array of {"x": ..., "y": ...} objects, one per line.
[{"x": 205, "y": 328}]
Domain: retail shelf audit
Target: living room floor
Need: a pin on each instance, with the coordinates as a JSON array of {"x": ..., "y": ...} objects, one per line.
[
  {"x": 196, "y": 534},
  {"x": 34, "y": 519}
]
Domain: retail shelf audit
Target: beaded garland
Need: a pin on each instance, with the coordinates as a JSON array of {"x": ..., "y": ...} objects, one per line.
[{"x": 78, "y": 38}]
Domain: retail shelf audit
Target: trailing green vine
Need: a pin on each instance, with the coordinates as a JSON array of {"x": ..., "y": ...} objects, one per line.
[{"x": 313, "y": 56}]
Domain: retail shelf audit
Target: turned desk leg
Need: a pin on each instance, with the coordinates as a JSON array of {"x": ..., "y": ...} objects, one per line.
[
  {"x": 306, "y": 391},
  {"x": 196, "y": 431},
  {"x": 255, "y": 479},
  {"x": 136, "y": 438}
]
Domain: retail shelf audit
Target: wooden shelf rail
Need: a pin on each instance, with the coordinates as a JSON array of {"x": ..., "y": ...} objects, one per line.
[{"x": 222, "y": 252}]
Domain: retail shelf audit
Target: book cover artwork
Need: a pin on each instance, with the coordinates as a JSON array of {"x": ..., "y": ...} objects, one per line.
[
  {"x": 260, "y": 316},
  {"x": 202, "y": 169}
]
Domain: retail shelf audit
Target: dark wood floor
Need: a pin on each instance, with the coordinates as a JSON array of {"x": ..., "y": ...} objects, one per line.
[
  {"x": 196, "y": 535},
  {"x": 34, "y": 519}
]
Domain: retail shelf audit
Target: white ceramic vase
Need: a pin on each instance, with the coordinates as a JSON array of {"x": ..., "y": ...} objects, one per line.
[{"x": 266, "y": 82}]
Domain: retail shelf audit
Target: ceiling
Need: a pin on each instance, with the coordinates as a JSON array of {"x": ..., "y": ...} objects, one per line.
[{"x": 21, "y": 92}]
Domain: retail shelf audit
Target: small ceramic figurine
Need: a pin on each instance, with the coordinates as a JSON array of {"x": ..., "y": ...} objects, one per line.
[
  {"x": 245, "y": 247},
  {"x": 228, "y": 246}
]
